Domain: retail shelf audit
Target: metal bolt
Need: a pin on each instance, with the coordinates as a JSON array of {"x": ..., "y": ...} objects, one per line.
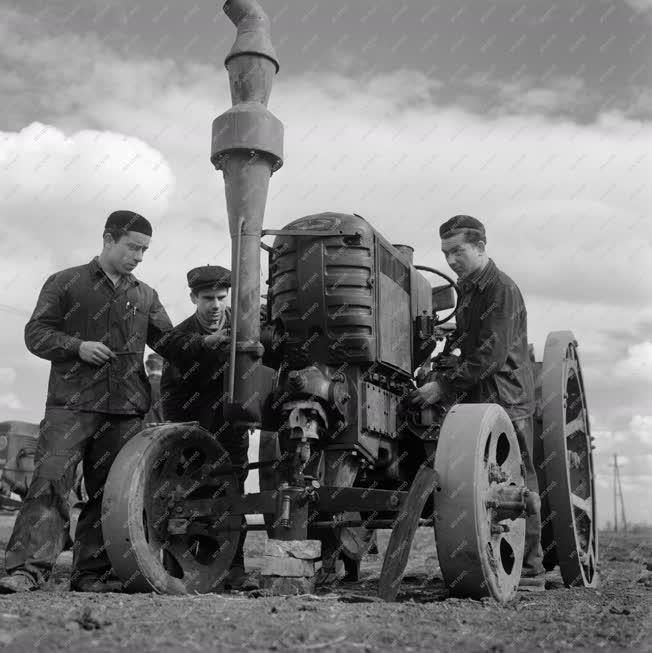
[
  {"x": 296, "y": 380},
  {"x": 497, "y": 529}
]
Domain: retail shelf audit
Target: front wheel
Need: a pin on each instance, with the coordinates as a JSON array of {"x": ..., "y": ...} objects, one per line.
[
  {"x": 150, "y": 478},
  {"x": 479, "y": 527}
]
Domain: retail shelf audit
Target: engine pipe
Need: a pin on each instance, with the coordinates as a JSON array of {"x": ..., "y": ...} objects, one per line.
[{"x": 247, "y": 146}]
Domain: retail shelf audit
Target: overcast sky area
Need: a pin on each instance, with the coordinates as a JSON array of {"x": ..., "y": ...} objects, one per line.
[{"x": 535, "y": 117}]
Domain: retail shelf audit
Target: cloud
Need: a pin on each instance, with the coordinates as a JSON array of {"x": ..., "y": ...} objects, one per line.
[
  {"x": 11, "y": 401},
  {"x": 557, "y": 96},
  {"x": 642, "y": 6},
  {"x": 637, "y": 365},
  {"x": 642, "y": 428},
  {"x": 7, "y": 375},
  {"x": 55, "y": 191},
  {"x": 566, "y": 204}
]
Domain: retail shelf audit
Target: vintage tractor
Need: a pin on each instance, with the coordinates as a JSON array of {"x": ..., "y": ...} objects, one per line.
[
  {"x": 17, "y": 448},
  {"x": 350, "y": 318}
]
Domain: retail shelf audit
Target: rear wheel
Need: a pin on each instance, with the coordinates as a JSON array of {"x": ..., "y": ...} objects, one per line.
[{"x": 567, "y": 480}]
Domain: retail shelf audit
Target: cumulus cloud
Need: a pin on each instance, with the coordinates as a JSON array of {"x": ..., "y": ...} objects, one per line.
[
  {"x": 642, "y": 6},
  {"x": 565, "y": 204},
  {"x": 7, "y": 375},
  {"x": 57, "y": 189},
  {"x": 637, "y": 365},
  {"x": 11, "y": 401}
]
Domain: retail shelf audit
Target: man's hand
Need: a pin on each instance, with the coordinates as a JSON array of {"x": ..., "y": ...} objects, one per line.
[
  {"x": 95, "y": 353},
  {"x": 426, "y": 395},
  {"x": 216, "y": 340}
]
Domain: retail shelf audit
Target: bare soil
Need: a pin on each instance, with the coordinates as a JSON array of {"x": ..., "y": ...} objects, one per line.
[{"x": 348, "y": 617}]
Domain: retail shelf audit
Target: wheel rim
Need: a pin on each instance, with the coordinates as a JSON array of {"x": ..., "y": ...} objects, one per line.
[
  {"x": 400, "y": 541},
  {"x": 568, "y": 462},
  {"x": 157, "y": 462},
  {"x": 478, "y": 463}
]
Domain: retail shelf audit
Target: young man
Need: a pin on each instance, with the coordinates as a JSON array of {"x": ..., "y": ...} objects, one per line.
[
  {"x": 92, "y": 322},
  {"x": 197, "y": 392},
  {"x": 494, "y": 365}
]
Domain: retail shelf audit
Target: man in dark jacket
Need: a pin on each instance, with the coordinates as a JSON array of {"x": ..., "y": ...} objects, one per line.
[
  {"x": 92, "y": 322},
  {"x": 494, "y": 364},
  {"x": 197, "y": 391}
]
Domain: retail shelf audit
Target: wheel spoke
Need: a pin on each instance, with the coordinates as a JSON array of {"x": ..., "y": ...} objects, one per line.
[
  {"x": 575, "y": 425},
  {"x": 585, "y": 505}
]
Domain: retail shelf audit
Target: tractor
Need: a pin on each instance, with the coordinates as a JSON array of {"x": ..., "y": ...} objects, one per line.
[{"x": 350, "y": 320}]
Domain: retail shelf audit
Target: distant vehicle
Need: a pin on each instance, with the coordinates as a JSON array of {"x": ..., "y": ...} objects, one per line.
[{"x": 17, "y": 449}]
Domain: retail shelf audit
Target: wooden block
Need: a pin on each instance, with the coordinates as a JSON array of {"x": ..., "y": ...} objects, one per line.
[
  {"x": 287, "y": 586},
  {"x": 287, "y": 567},
  {"x": 302, "y": 549}
]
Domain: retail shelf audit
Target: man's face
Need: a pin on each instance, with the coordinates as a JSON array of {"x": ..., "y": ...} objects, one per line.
[
  {"x": 128, "y": 252},
  {"x": 462, "y": 257},
  {"x": 210, "y": 303}
]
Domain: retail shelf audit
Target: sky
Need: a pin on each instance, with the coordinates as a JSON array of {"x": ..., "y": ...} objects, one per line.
[{"x": 535, "y": 117}]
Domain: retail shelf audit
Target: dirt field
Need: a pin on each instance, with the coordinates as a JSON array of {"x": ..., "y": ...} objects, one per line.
[{"x": 349, "y": 618}]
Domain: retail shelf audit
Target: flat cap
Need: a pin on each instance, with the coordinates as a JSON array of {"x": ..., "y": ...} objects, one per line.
[
  {"x": 458, "y": 222},
  {"x": 209, "y": 276},
  {"x": 128, "y": 221}
]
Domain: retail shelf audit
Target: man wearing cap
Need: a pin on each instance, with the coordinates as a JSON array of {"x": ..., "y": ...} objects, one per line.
[
  {"x": 494, "y": 364},
  {"x": 92, "y": 323},
  {"x": 197, "y": 391}
]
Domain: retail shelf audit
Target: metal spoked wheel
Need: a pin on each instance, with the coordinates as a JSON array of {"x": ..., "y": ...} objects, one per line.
[
  {"x": 479, "y": 524},
  {"x": 151, "y": 477},
  {"x": 568, "y": 461},
  {"x": 400, "y": 541}
]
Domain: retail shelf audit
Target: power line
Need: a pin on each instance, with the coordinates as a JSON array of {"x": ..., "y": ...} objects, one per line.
[{"x": 618, "y": 494}]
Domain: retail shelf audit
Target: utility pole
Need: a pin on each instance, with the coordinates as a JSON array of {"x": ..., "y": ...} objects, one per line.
[{"x": 618, "y": 493}]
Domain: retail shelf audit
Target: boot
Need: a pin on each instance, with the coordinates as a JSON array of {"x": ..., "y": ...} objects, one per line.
[
  {"x": 19, "y": 581},
  {"x": 93, "y": 583}
]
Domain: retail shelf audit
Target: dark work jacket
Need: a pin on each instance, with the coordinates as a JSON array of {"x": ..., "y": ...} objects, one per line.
[
  {"x": 195, "y": 391},
  {"x": 82, "y": 304},
  {"x": 491, "y": 333}
]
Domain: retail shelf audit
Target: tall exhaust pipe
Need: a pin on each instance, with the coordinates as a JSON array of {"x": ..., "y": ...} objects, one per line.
[{"x": 247, "y": 145}]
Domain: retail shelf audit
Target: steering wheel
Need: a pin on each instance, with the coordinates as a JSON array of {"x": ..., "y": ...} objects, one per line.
[{"x": 451, "y": 284}]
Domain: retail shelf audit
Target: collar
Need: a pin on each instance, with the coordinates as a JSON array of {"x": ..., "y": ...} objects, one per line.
[
  {"x": 97, "y": 270},
  {"x": 481, "y": 278},
  {"x": 209, "y": 327}
]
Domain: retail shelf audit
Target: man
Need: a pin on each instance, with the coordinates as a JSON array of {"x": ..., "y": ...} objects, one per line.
[
  {"x": 197, "y": 392},
  {"x": 154, "y": 369},
  {"x": 494, "y": 365},
  {"x": 92, "y": 322}
]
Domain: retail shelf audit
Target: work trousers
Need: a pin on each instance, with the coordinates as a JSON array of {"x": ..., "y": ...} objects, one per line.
[
  {"x": 42, "y": 525},
  {"x": 533, "y": 554}
]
